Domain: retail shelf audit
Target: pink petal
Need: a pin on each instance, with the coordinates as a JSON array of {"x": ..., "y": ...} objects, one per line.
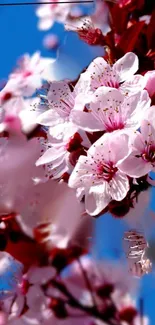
[
  {"x": 136, "y": 107},
  {"x": 126, "y": 66},
  {"x": 50, "y": 155},
  {"x": 118, "y": 146},
  {"x": 97, "y": 198},
  {"x": 150, "y": 80},
  {"x": 135, "y": 167},
  {"x": 147, "y": 131},
  {"x": 61, "y": 98},
  {"x": 150, "y": 117},
  {"x": 136, "y": 83},
  {"x": 86, "y": 121},
  {"x": 114, "y": 146},
  {"x": 49, "y": 118},
  {"x": 82, "y": 174},
  {"x": 45, "y": 23},
  {"x": 63, "y": 130},
  {"x": 119, "y": 186}
]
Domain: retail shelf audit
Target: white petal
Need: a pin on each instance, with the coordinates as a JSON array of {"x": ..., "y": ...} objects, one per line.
[
  {"x": 150, "y": 116},
  {"x": 135, "y": 167},
  {"x": 49, "y": 118},
  {"x": 50, "y": 155},
  {"x": 82, "y": 174},
  {"x": 86, "y": 121},
  {"x": 119, "y": 186},
  {"x": 126, "y": 66},
  {"x": 137, "y": 82},
  {"x": 45, "y": 23},
  {"x": 97, "y": 199}
]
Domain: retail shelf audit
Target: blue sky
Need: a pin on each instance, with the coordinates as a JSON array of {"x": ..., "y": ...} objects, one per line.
[{"x": 19, "y": 35}]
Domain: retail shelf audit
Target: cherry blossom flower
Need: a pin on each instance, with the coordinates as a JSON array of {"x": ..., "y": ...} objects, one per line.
[
  {"x": 54, "y": 160},
  {"x": 30, "y": 72},
  {"x": 98, "y": 175},
  {"x": 141, "y": 160},
  {"x": 120, "y": 75},
  {"x": 49, "y": 13},
  {"x": 109, "y": 110},
  {"x": 58, "y": 106},
  {"x": 19, "y": 114},
  {"x": 86, "y": 30}
]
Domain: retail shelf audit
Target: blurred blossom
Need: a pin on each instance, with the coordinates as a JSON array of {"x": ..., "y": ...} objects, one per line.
[
  {"x": 51, "y": 41},
  {"x": 75, "y": 144},
  {"x": 49, "y": 13}
]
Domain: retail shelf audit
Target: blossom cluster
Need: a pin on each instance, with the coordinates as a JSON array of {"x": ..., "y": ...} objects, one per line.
[
  {"x": 71, "y": 151},
  {"x": 90, "y": 291}
]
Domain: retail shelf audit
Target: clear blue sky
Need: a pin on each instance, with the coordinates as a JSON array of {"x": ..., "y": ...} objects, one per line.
[{"x": 19, "y": 35}]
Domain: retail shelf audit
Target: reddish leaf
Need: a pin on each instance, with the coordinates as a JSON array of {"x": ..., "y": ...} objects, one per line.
[
  {"x": 119, "y": 19},
  {"x": 130, "y": 36},
  {"x": 151, "y": 33}
]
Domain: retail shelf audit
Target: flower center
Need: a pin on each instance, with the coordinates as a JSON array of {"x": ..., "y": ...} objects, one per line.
[
  {"x": 149, "y": 154},
  {"x": 7, "y": 96},
  {"x": 27, "y": 74},
  {"x": 107, "y": 78},
  {"x": 106, "y": 171},
  {"x": 114, "y": 124},
  {"x": 74, "y": 142}
]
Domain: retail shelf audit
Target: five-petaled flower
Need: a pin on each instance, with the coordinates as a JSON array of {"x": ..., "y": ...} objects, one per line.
[
  {"x": 120, "y": 75},
  {"x": 98, "y": 175},
  {"x": 110, "y": 110},
  {"x": 141, "y": 158}
]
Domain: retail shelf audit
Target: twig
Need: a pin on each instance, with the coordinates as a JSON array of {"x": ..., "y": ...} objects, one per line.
[{"x": 88, "y": 285}]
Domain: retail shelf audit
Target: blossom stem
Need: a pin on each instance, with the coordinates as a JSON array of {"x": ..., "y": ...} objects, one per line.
[{"x": 88, "y": 285}]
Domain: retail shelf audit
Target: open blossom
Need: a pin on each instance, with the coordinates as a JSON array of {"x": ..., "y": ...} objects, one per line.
[
  {"x": 59, "y": 157},
  {"x": 141, "y": 158},
  {"x": 86, "y": 30},
  {"x": 109, "y": 110},
  {"x": 59, "y": 103},
  {"x": 98, "y": 175},
  {"x": 19, "y": 114},
  {"x": 120, "y": 75},
  {"x": 53, "y": 159},
  {"x": 49, "y": 13},
  {"x": 29, "y": 73}
]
